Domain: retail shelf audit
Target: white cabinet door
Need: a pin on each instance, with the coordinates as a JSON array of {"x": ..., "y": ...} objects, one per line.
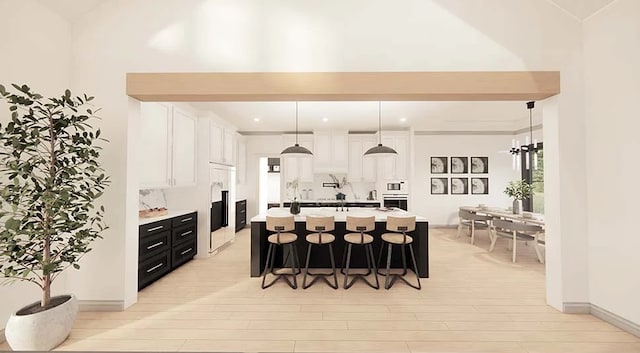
[
  {"x": 297, "y": 167},
  {"x": 355, "y": 159},
  {"x": 321, "y": 151},
  {"x": 290, "y": 168},
  {"x": 402, "y": 160},
  {"x": 216, "y": 143},
  {"x": 228, "y": 145},
  {"x": 241, "y": 164},
  {"x": 154, "y": 148},
  {"x": 184, "y": 148},
  {"x": 388, "y": 163},
  {"x": 330, "y": 153},
  {"x": 339, "y": 152},
  {"x": 369, "y": 170}
]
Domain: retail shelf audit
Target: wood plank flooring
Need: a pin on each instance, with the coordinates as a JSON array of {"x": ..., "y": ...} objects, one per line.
[{"x": 475, "y": 301}]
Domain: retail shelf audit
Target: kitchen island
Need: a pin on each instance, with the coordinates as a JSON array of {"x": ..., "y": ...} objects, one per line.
[{"x": 320, "y": 257}]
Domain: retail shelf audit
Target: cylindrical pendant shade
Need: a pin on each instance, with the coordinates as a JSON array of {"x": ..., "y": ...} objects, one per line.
[
  {"x": 296, "y": 151},
  {"x": 381, "y": 151}
]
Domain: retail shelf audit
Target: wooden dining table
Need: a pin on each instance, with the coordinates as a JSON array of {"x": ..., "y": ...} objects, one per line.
[{"x": 534, "y": 218}]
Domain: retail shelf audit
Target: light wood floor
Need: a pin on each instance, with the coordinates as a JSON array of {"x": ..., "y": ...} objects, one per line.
[{"x": 475, "y": 301}]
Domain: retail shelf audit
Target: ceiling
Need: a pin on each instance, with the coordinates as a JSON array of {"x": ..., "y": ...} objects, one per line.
[
  {"x": 582, "y": 9},
  {"x": 363, "y": 116},
  {"x": 71, "y": 9}
]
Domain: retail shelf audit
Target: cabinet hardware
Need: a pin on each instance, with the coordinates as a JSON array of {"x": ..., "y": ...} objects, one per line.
[
  {"x": 154, "y": 228},
  {"x": 155, "y": 267},
  {"x": 186, "y": 251},
  {"x": 186, "y": 233},
  {"x": 154, "y": 245},
  {"x": 187, "y": 219}
]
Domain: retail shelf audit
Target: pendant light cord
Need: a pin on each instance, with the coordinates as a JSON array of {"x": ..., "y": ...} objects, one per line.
[
  {"x": 379, "y": 123},
  {"x": 296, "y": 123},
  {"x": 531, "y": 128}
]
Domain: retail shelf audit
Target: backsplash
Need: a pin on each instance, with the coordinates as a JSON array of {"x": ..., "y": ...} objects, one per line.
[
  {"x": 352, "y": 190},
  {"x": 151, "y": 198}
]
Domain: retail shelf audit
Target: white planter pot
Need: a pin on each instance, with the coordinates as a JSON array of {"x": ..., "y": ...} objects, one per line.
[{"x": 44, "y": 330}]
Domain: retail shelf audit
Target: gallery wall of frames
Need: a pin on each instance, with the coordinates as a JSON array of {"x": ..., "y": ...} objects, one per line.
[{"x": 459, "y": 175}]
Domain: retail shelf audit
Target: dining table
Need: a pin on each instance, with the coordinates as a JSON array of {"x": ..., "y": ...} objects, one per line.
[{"x": 525, "y": 217}]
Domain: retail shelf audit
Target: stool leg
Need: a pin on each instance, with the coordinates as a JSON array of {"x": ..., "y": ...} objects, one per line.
[
  {"x": 344, "y": 258},
  {"x": 380, "y": 253},
  {"x": 415, "y": 266},
  {"x": 333, "y": 266},
  {"x": 266, "y": 265},
  {"x": 306, "y": 268},
  {"x": 369, "y": 249},
  {"x": 387, "y": 284},
  {"x": 296, "y": 257},
  {"x": 404, "y": 260},
  {"x": 346, "y": 275},
  {"x": 293, "y": 267}
]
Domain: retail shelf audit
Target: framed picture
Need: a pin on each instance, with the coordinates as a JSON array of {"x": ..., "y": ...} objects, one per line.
[
  {"x": 480, "y": 186},
  {"x": 459, "y": 165},
  {"x": 439, "y": 186},
  {"x": 459, "y": 186},
  {"x": 479, "y": 165},
  {"x": 439, "y": 165}
]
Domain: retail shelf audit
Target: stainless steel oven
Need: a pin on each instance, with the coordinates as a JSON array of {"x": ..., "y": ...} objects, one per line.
[
  {"x": 399, "y": 187},
  {"x": 396, "y": 200}
]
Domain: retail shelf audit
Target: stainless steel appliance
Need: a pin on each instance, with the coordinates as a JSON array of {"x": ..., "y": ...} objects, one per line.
[
  {"x": 396, "y": 200},
  {"x": 399, "y": 187}
]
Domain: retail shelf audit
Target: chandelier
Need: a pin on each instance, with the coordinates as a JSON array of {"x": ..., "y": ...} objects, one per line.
[{"x": 529, "y": 149}]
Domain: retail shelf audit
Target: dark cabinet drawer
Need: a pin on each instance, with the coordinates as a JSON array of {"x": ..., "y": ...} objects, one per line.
[
  {"x": 155, "y": 227},
  {"x": 153, "y": 268},
  {"x": 183, "y": 234},
  {"x": 183, "y": 253},
  {"x": 185, "y": 219},
  {"x": 153, "y": 244}
]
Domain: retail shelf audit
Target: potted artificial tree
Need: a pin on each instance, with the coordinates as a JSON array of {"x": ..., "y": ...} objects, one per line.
[
  {"x": 51, "y": 176},
  {"x": 518, "y": 190}
]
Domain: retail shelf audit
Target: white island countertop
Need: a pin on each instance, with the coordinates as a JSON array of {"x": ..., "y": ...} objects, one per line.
[
  {"x": 170, "y": 214},
  {"x": 340, "y": 216}
]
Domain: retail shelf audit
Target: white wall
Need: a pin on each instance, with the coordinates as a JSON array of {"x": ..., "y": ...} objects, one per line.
[
  {"x": 443, "y": 209},
  {"x": 193, "y": 35},
  {"x": 38, "y": 55},
  {"x": 612, "y": 88},
  {"x": 273, "y": 187}
]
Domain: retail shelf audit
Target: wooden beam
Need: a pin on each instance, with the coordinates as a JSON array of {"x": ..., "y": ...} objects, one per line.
[{"x": 343, "y": 86}]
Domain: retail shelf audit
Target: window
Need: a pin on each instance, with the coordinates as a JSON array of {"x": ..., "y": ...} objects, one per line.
[{"x": 534, "y": 176}]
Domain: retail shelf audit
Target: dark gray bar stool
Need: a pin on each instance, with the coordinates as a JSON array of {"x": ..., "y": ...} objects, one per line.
[
  {"x": 360, "y": 225},
  {"x": 283, "y": 227},
  {"x": 320, "y": 225},
  {"x": 516, "y": 231},
  {"x": 399, "y": 227}
]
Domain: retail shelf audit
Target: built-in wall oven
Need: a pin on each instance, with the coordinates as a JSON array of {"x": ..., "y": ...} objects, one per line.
[{"x": 395, "y": 200}]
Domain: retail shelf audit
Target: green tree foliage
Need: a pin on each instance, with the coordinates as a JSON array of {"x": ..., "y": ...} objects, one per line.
[{"x": 50, "y": 177}]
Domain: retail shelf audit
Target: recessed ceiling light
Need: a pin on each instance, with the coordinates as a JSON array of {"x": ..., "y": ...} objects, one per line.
[
  {"x": 256, "y": 119},
  {"x": 402, "y": 120},
  {"x": 325, "y": 119}
]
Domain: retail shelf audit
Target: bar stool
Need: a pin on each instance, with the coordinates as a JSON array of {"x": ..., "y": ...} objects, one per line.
[
  {"x": 399, "y": 226},
  {"x": 283, "y": 227},
  {"x": 473, "y": 221},
  {"x": 320, "y": 225},
  {"x": 360, "y": 225}
]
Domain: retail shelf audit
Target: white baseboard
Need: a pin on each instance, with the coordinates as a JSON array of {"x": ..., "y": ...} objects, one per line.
[
  {"x": 603, "y": 314},
  {"x": 615, "y": 320},
  {"x": 100, "y": 305},
  {"x": 576, "y": 308}
]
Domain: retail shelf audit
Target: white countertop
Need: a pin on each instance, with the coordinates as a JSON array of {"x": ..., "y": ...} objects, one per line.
[
  {"x": 171, "y": 214},
  {"x": 340, "y": 216},
  {"x": 335, "y": 201}
]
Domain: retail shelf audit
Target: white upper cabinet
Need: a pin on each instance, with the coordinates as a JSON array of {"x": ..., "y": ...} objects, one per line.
[
  {"x": 167, "y": 146},
  {"x": 241, "y": 160},
  {"x": 154, "y": 146},
  {"x": 395, "y": 168},
  {"x": 330, "y": 154},
  {"x": 221, "y": 144},
  {"x": 300, "y": 168},
  {"x": 361, "y": 168},
  {"x": 184, "y": 148}
]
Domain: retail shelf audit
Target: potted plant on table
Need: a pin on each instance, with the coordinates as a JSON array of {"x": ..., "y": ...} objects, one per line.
[
  {"x": 518, "y": 190},
  {"x": 51, "y": 176}
]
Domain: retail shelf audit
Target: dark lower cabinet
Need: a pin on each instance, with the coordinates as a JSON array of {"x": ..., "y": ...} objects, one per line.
[
  {"x": 165, "y": 245},
  {"x": 241, "y": 214},
  {"x": 216, "y": 215}
]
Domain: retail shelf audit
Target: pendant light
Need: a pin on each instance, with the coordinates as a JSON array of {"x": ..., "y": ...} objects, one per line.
[
  {"x": 296, "y": 150},
  {"x": 380, "y": 150}
]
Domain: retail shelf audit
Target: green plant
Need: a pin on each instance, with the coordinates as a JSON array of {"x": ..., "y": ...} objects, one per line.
[
  {"x": 50, "y": 172},
  {"x": 519, "y": 189}
]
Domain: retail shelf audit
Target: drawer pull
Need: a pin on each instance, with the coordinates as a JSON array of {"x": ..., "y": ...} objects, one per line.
[
  {"x": 186, "y": 233},
  {"x": 186, "y": 251},
  {"x": 154, "y": 245},
  {"x": 154, "y": 228},
  {"x": 187, "y": 219},
  {"x": 155, "y": 267}
]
